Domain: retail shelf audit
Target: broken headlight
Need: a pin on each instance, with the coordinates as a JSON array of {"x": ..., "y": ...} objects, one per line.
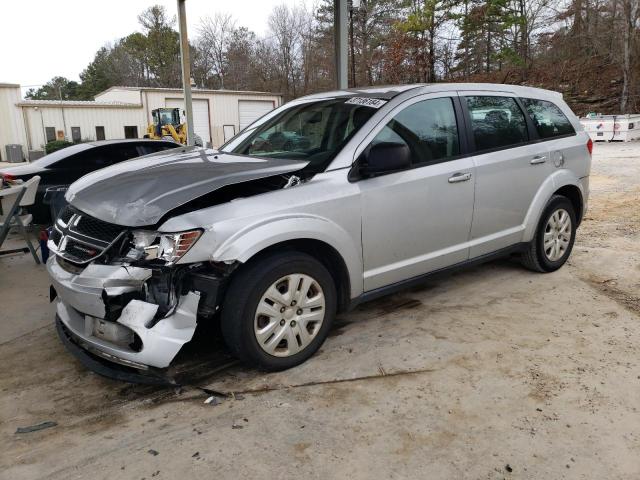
[
  {"x": 169, "y": 247},
  {"x": 173, "y": 246}
]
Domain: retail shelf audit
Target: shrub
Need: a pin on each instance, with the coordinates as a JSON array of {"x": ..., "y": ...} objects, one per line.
[{"x": 56, "y": 145}]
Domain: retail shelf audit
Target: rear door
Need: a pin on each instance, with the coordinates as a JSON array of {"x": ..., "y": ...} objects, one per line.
[
  {"x": 418, "y": 220},
  {"x": 511, "y": 165},
  {"x": 556, "y": 130}
]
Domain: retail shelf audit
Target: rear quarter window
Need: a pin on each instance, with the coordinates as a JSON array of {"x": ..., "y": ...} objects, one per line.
[{"x": 548, "y": 119}]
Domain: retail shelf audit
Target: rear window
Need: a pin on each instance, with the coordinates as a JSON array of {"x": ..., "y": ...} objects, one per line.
[
  {"x": 548, "y": 118},
  {"x": 497, "y": 122}
]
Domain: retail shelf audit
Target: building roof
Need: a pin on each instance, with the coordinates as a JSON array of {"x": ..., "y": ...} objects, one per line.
[
  {"x": 76, "y": 103},
  {"x": 9, "y": 85},
  {"x": 194, "y": 90}
]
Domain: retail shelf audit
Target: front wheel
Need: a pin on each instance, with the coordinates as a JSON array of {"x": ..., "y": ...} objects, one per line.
[
  {"x": 278, "y": 310},
  {"x": 554, "y": 237}
]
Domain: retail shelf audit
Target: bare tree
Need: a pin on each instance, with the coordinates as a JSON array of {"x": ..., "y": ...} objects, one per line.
[
  {"x": 630, "y": 20},
  {"x": 286, "y": 26},
  {"x": 214, "y": 37}
]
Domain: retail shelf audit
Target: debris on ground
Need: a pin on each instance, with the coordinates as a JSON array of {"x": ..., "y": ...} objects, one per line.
[
  {"x": 36, "y": 427},
  {"x": 153, "y": 452},
  {"x": 213, "y": 400}
]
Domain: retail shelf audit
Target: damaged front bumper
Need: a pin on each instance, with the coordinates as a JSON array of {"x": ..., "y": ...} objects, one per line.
[{"x": 105, "y": 310}]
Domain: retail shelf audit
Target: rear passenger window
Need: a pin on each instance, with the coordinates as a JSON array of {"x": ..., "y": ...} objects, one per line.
[
  {"x": 497, "y": 122},
  {"x": 548, "y": 118},
  {"x": 428, "y": 128}
]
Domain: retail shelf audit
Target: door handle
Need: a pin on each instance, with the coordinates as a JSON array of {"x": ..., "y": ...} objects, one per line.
[
  {"x": 538, "y": 159},
  {"x": 459, "y": 177}
]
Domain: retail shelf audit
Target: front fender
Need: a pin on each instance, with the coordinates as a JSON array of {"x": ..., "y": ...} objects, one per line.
[
  {"x": 557, "y": 180},
  {"x": 254, "y": 238}
]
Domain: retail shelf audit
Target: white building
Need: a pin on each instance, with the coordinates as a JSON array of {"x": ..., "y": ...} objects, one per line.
[{"x": 123, "y": 112}]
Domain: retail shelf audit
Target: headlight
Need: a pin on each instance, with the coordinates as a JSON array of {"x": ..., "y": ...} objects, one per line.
[
  {"x": 173, "y": 246},
  {"x": 170, "y": 247}
]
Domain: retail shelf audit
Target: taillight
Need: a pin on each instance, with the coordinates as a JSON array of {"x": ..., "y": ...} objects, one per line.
[
  {"x": 590, "y": 146},
  {"x": 7, "y": 177}
]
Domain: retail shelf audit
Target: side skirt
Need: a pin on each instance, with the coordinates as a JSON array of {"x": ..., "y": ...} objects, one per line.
[{"x": 442, "y": 272}]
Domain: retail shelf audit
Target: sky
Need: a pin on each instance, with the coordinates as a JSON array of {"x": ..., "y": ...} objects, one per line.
[{"x": 44, "y": 38}]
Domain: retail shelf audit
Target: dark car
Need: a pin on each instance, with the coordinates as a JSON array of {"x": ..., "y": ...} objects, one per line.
[{"x": 63, "y": 167}]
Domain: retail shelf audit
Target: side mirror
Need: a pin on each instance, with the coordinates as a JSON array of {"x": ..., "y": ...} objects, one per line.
[{"x": 384, "y": 157}]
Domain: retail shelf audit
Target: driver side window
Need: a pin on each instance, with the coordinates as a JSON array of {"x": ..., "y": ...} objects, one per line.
[{"x": 428, "y": 128}]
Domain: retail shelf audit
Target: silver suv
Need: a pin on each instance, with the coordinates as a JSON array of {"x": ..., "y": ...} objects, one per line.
[{"x": 331, "y": 200}]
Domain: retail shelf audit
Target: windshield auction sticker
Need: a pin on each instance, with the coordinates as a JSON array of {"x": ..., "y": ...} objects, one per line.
[{"x": 366, "y": 102}]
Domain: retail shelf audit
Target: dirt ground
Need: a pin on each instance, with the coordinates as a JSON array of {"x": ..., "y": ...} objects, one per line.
[{"x": 492, "y": 373}]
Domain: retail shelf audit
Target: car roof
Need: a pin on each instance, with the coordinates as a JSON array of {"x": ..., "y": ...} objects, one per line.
[
  {"x": 98, "y": 143},
  {"x": 387, "y": 92}
]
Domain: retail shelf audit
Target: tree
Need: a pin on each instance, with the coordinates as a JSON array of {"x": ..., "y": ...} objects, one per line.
[
  {"x": 58, "y": 88},
  {"x": 215, "y": 34}
]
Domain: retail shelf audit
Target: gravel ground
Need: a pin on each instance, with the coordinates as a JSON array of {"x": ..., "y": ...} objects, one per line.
[{"x": 492, "y": 373}]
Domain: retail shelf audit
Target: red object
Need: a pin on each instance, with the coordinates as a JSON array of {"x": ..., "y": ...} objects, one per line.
[
  {"x": 8, "y": 177},
  {"x": 44, "y": 235},
  {"x": 590, "y": 146}
]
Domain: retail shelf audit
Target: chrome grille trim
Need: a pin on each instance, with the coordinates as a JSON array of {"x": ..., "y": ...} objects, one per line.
[{"x": 69, "y": 234}]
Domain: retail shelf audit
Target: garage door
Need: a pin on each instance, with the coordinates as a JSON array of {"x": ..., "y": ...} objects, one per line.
[
  {"x": 200, "y": 116},
  {"x": 251, "y": 110}
]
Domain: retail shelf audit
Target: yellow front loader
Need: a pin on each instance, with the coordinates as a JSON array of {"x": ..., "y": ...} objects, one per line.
[{"x": 166, "y": 124}]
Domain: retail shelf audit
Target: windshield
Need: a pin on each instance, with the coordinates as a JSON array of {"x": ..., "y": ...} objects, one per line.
[
  {"x": 314, "y": 132},
  {"x": 54, "y": 157}
]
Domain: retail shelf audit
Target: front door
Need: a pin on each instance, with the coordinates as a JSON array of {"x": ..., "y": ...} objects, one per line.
[{"x": 418, "y": 220}]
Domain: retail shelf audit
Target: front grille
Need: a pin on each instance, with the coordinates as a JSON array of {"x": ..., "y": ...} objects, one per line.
[
  {"x": 66, "y": 214},
  {"x": 97, "y": 229},
  {"x": 78, "y": 252},
  {"x": 80, "y": 238},
  {"x": 56, "y": 236}
]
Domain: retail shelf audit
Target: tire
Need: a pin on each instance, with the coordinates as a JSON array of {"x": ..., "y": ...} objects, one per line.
[
  {"x": 258, "y": 338},
  {"x": 539, "y": 259}
]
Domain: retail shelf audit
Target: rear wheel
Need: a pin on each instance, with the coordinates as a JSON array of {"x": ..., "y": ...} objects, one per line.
[
  {"x": 554, "y": 237},
  {"x": 278, "y": 311}
]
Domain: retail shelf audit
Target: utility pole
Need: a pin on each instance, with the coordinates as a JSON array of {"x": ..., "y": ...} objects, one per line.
[
  {"x": 341, "y": 39},
  {"x": 352, "y": 6},
  {"x": 186, "y": 69}
]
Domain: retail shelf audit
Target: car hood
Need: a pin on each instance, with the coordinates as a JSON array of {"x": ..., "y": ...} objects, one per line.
[
  {"x": 22, "y": 170},
  {"x": 140, "y": 192}
]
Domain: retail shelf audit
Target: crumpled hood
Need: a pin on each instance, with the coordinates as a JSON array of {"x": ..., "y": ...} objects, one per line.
[{"x": 140, "y": 192}]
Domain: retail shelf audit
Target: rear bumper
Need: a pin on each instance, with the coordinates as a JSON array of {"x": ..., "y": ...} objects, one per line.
[{"x": 136, "y": 338}]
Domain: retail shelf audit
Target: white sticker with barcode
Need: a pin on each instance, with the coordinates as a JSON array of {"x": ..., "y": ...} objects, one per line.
[{"x": 366, "y": 102}]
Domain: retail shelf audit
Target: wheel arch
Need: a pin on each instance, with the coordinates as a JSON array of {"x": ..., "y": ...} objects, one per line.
[
  {"x": 326, "y": 254},
  {"x": 562, "y": 182},
  {"x": 320, "y": 238},
  {"x": 573, "y": 193}
]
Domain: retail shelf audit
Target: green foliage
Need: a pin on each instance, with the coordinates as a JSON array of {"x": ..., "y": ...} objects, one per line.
[
  {"x": 58, "y": 88},
  {"x": 56, "y": 145}
]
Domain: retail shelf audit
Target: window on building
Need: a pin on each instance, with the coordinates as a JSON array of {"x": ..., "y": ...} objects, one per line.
[
  {"x": 131, "y": 132},
  {"x": 497, "y": 122},
  {"x": 100, "y": 133},
  {"x": 76, "y": 137},
  {"x": 50, "y": 132},
  {"x": 548, "y": 118},
  {"x": 428, "y": 128}
]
